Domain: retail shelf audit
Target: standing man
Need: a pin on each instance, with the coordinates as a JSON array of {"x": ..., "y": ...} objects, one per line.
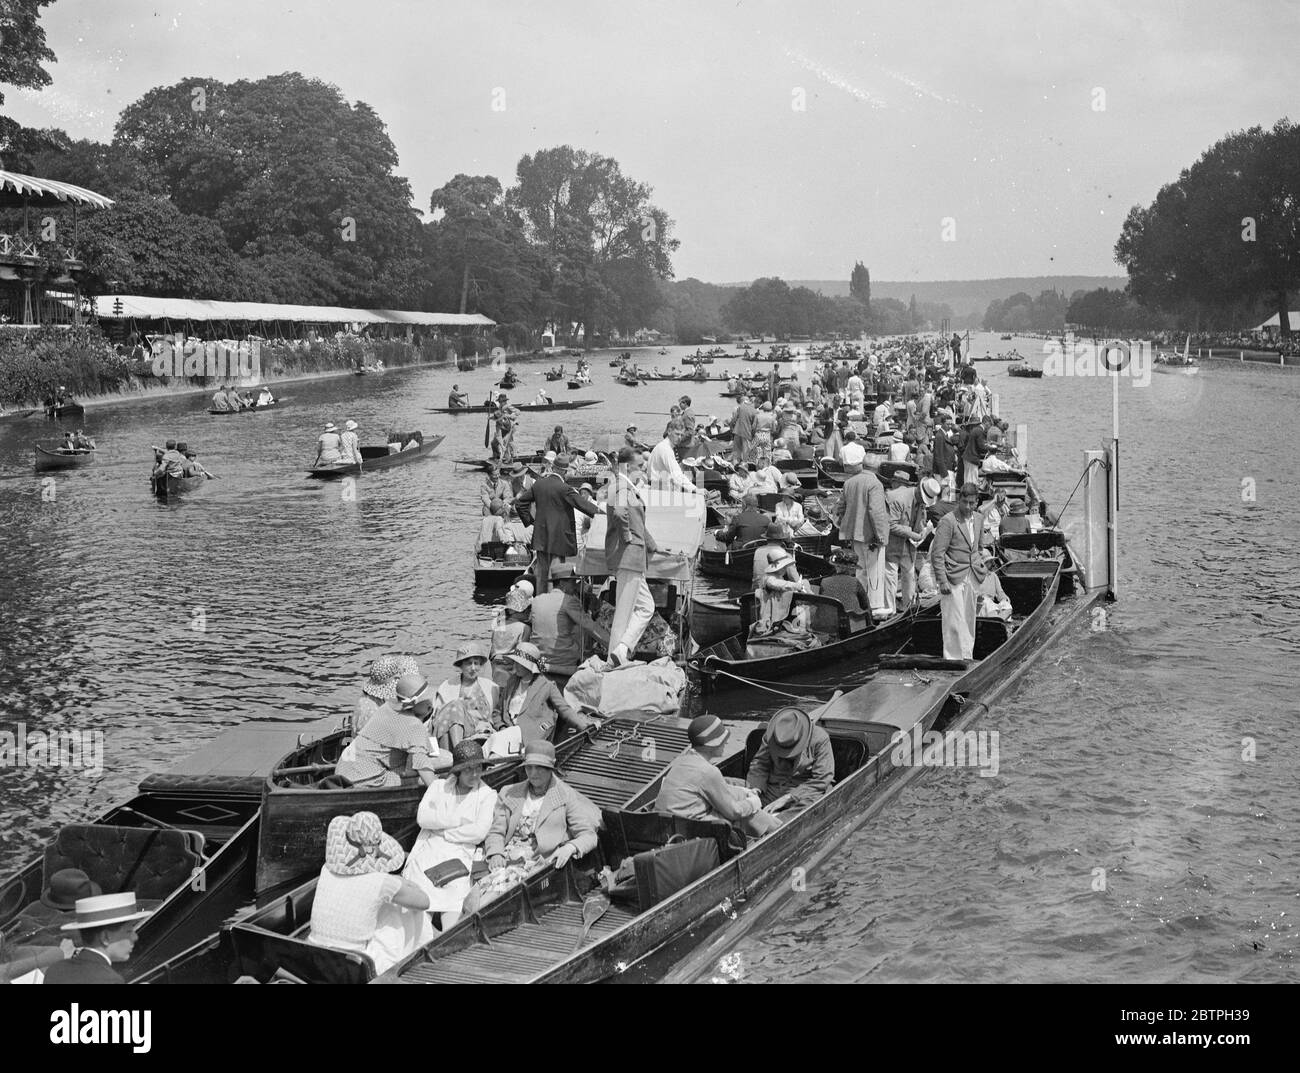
[
  {"x": 974, "y": 448},
  {"x": 865, "y": 521},
  {"x": 628, "y": 547},
  {"x": 958, "y": 570},
  {"x": 555, "y": 533},
  {"x": 665, "y": 471},
  {"x": 906, "y": 531},
  {"x": 742, "y": 428}
]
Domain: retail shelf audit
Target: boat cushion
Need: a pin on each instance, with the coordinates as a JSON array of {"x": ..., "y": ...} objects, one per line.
[
  {"x": 661, "y": 873},
  {"x": 625, "y": 833},
  {"x": 150, "y": 861},
  {"x": 167, "y": 781}
]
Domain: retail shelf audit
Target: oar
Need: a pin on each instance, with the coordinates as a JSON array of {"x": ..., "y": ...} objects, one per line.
[{"x": 594, "y": 906}]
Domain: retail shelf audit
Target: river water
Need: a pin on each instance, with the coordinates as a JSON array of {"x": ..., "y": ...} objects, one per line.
[{"x": 266, "y": 594}]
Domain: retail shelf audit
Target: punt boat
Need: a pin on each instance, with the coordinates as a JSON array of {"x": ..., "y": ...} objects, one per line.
[
  {"x": 373, "y": 458},
  {"x": 188, "y": 854},
  {"x": 302, "y": 794},
  {"x": 279, "y": 404},
  {"x": 618, "y": 768}
]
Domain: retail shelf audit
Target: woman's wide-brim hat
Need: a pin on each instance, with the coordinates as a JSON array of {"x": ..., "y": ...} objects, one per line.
[
  {"x": 528, "y": 656},
  {"x": 356, "y": 845},
  {"x": 470, "y": 650},
  {"x": 466, "y": 754},
  {"x": 102, "y": 910},
  {"x": 788, "y": 733},
  {"x": 350, "y": 425},
  {"x": 330, "y": 426},
  {"x": 540, "y": 754},
  {"x": 384, "y": 673},
  {"x": 780, "y": 562}
]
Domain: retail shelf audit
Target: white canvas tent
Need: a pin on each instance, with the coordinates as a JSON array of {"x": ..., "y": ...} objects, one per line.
[{"x": 1273, "y": 322}]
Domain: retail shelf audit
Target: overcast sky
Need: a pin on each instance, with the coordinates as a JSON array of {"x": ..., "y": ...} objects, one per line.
[{"x": 983, "y": 113}]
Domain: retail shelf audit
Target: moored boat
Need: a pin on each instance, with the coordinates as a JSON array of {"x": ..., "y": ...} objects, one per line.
[
  {"x": 1019, "y": 369},
  {"x": 373, "y": 458},
  {"x": 279, "y": 404},
  {"x": 187, "y": 855}
]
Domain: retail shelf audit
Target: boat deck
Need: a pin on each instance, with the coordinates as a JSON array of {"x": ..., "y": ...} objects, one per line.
[
  {"x": 241, "y": 757},
  {"x": 522, "y": 954}
]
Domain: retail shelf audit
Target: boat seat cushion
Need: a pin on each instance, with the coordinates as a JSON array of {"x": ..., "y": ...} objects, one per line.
[
  {"x": 625, "y": 834},
  {"x": 150, "y": 861},
  {"x": 166, "y": 781}
]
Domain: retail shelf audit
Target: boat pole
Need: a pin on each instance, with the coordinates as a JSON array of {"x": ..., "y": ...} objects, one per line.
[{"x": 1112, "y": 487}]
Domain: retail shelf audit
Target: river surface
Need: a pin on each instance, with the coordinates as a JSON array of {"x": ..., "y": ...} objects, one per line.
[{"x": 265, "y": 596}]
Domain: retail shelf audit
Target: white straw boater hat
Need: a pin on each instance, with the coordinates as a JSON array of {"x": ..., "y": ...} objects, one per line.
[{"x": 106, "y": 909}]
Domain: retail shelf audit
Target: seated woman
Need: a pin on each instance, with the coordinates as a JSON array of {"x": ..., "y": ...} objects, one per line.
[
  {"x": 360, "y": 905},
  {"x": 512, "y": 625},
  {"x": 780, "y": 452},
  {"x": 380, "y": 687},
  {"x": 464, "y": 706},
  {"x": 539, "y": 821},
  {"x": 455, "y": 816},
  {"x": 494, "y": 527},
  {"x": 775, "y": 589},
  {"x": 531, "y": 702},
  {"x": 394, "y": 741},
  {"x": 991, "y": 601},
  {"x": 266, "y": 398}
]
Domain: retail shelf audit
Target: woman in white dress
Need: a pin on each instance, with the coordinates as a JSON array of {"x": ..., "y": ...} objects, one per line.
[
  {"x": 361, "y": 904},
  {"x": 329, "y": 446},
  {"x": 454, "y": 817}
]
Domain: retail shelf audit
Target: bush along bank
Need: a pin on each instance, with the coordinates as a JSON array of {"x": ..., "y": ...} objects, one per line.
[{"x": 36, "y": 362}]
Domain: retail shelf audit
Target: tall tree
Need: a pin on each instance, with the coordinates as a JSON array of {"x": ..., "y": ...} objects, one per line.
[
  {"x": 860, "y": 284},
  {"x": 23, "y": 54},
  {"x": 1227, "y": 230}
]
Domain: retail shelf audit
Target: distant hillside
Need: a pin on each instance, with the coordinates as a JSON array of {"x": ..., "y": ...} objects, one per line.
[{"x": 965, "y": 296}]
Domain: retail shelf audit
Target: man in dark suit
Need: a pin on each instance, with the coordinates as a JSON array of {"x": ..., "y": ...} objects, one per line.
[
  {"x": 555, "y": 533},
  {"x": 628, "y": 547},
  {"x": 107, "y": 925},
  {"x": 749, "y": 524}
]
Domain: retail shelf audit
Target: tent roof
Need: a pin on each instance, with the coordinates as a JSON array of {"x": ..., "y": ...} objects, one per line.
[
  {"x": 140, "y": 307},
  {"x": 47, "y": 193},
  {"x": 677, "y": 524},
  {"x": 1293, "y": 316}
]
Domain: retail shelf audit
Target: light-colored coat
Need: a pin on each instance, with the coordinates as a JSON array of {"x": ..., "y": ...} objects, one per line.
[
  {"x": 628, "y": 544},
  {"x": 952, "y": 555},
  {"x": 565, "y": 815},
  {"x": 866, "y": 518}
]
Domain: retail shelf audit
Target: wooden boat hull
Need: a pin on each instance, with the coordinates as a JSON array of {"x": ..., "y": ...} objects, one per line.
[
  {"x": 570, "y": 404},
  {"x": 71, "y": 409},
  {"x": 728, "y": 655},
  {"x": 713, "y": 619},
  {"x": 51, "y": 460},
  {"x": 291, "y": 840},
  {"x": 740, "y": 565},
  {"x": 220, "y": 883},
  {"x": 374, "y": 458},
  {"x": 169, "y": 487},
  {"x": 1026, "y": 372},
  {"x": 279, "y": 404}
]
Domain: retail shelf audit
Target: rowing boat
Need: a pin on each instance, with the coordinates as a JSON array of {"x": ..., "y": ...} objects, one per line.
[
  {"x": 301, "y": 795},
  {"x": 188, "y": 856},
  {"x": 170, "y": 486},
  {"x": 279, "y": 404},
  {"x": 498, "y": 565},
  {"x": 68, "y": 409},
  {"x": 566, "y": 404},
  {"x": 373, "y": 458},
  {"x": 1025, "y": 371},
  {"x": 47, "y": 460}
]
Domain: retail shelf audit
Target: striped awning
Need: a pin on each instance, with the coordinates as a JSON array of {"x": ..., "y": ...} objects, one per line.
[{"x": 16, "y": 189}]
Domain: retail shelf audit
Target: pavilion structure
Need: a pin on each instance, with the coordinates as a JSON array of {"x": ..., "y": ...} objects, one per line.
[{"x": 38, "y": 249}]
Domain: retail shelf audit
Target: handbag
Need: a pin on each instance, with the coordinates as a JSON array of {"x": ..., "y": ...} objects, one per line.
[{"x": 449, "y": 871}]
